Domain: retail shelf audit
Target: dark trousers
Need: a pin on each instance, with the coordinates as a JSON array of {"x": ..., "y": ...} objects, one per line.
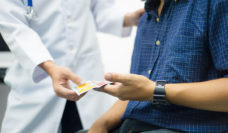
[
  {"x": 70, "y": 122},
  {"x": 135, "y": 126}
]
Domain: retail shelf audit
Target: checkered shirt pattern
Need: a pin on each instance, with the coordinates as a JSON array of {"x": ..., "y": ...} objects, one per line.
[{"x": 187, "y": 43}]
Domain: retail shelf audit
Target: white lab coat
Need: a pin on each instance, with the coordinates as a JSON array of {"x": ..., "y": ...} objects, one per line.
[{"x": 63, "y": 31}]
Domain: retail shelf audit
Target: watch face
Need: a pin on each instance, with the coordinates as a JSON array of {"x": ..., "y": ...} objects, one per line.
[
  {"x": 159, "y": 97},
  {"x": 161, "y": 82}
]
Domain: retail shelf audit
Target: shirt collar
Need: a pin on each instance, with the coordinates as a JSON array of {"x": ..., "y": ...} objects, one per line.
[{"x": 154, "y": 4}]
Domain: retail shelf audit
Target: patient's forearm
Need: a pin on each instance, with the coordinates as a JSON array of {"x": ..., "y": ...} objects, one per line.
[
  {"x": 210, "y": 95},
  {"x": 112, "y": 118}
]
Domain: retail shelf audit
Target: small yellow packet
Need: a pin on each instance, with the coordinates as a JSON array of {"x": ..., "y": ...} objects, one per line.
[
  {"x": 89, "y": 85},
  {"x": 86, "y": 87}
]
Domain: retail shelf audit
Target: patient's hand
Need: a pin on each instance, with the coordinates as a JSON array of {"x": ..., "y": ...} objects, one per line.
[{"x": 129, "y": 87}]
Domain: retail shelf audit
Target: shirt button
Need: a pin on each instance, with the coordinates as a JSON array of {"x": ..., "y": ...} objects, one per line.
[
  {"x": 158, "y": 42},
  {"x": 157, "y": 19},
  {"x": 149, "y": 72}
]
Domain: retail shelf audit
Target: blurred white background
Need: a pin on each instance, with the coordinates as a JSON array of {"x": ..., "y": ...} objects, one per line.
[{"x": 116, "y": 52}]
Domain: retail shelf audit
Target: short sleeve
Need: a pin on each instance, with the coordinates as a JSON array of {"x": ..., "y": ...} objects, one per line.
[{"x": 218, "y": 34}]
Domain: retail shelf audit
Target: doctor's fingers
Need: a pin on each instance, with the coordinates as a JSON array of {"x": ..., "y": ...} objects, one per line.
[
  {"x": 77, "y": 97},
  {"x": 66, "y": 93},
  {"x": 74, "y": 78}
]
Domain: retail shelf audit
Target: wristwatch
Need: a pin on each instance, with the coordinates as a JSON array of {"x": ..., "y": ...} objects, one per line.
[{"x": 159, "y": 97}]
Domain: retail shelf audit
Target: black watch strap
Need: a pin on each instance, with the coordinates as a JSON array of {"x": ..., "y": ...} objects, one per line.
[{"x": 159, "y": 96}]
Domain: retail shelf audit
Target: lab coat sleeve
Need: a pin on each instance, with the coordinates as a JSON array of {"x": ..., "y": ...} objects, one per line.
[
  {"x": 23, "y": 42},
  {"x": 109, "y": 18}
]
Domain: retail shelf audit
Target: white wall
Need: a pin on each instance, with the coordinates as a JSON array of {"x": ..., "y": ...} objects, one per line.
[{"x": 116, "y": 52}]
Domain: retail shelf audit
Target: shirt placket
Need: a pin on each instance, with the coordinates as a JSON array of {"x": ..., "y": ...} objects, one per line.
[
  {"x": 160, "y": 23},
  {"x": 158, "y": 45},
  {"x": 68, "y": 22}
]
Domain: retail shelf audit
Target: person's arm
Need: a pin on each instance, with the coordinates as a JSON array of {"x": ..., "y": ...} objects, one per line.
[
  {"x": 113, "y": 20},
  {"x": 132, "y": 18},
  {"x": 209, "y": 95},
  {"x": 30, "y": 51},
  {"x": 24, "y": 43},
  {"x": 111, "y": 119}
]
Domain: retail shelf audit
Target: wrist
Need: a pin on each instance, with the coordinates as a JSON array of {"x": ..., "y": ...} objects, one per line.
[
  {"x": 150, "y": 91},
  {"x": 173, "y": 91},
  {"x": 48, "y": 67},
  {"x": 159, "y": 95},
  {"x": 127, "y": 18}
]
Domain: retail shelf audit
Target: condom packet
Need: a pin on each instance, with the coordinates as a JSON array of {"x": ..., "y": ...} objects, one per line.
[{"x": 90, "y": 85}]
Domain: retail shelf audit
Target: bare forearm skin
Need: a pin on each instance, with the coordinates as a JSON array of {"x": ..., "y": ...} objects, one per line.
[
  {"x": 209, "y": 95},
  {"x": 112, "y": 118},
  {"x": 48, "y": 66}
]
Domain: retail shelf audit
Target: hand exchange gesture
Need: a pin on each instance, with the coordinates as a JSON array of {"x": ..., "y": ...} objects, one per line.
[{"x": 60, "y": 78}]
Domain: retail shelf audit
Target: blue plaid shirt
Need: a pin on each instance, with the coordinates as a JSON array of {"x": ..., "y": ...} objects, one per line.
[{"x": 187, "y": 43}]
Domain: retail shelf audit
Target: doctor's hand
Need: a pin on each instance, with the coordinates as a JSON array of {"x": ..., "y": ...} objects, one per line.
[
  {"x": 132, "y": 19},
  {"x": 129, "y": 87},
  {"x": 60, "y": 78}
]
